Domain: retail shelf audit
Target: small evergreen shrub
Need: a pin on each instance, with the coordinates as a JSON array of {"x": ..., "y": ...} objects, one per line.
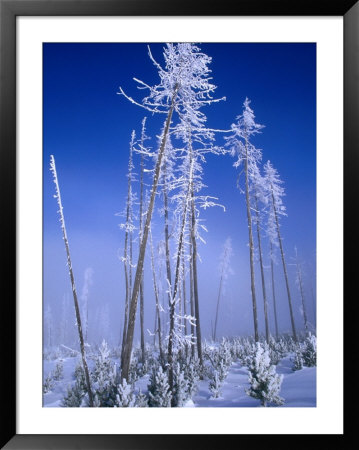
[
  {"x": 265, "y": 382},
  {"x": 159, "y": 390}
]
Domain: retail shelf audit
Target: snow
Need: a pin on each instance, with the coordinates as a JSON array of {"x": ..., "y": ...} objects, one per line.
[{"x": 298, "y": 388}]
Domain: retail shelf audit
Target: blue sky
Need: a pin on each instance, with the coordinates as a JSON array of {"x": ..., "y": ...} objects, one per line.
[{"x": 87, "y": 127}]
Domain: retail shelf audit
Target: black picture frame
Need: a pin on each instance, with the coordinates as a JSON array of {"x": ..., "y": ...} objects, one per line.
[{"x": 9, "y": 10}]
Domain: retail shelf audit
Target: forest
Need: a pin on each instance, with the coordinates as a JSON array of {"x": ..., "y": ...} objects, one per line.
[{"x": 174, "y": 338}]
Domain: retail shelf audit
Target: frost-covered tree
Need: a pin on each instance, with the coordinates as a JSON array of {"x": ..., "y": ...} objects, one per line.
[
  {"x": 249, "y": 156},
  {"x": 72, "y": 279},
  {"x": 180, "y": 387},
  {"x": 48, "y": 326},
  {"x": 258, "y": 194},
  {"x": 125, "y": 397},
  {"x": 144, "y": 152},
  {"x": 141, "y": 400},
  {"x": 275, "y": 192},
  {"x": 158, "y": 389},
  {"x": 157, "y": 299},
  {"x": 184, "y": 88},
  {"x": 225, "y": 270},
  {"x": 297, "y": 360},
  {"x": 265, "y": 382},
  {"x": 84, "y": 298},
  {"x": 128, "y": 226},
  {"x": 309, "y": 351},
  {"x": 215, "y": 384},
  {"x": 299, "y": 283}
]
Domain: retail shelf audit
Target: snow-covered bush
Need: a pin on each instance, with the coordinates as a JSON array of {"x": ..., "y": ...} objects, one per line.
[
  {"x": 180, "y": 388},
  {"x": 106, "y": 388},
  {"x": 49, "y": 383},
  {"x": 274, "y": 352},
  {"x": 80, "y": 376},
  {"x": 159, "y": 390},
  {"x": 265, "y": 382},
  {"x": 125, "y": 397},
  {"x": 225, "y": 352},
  {"x": 246, "y": 352},
  {"x": 297, "y": 360},
  {"x": 309, "y": 352},
  {"x": 59, "y": 371},
  {"x": 141, "y": 400},
  {"x": 191, "y": 377},
  {"x": 103, "y": 364},
  {"x": 215, "y": 385},
  {"x": 74, "y": 396}
]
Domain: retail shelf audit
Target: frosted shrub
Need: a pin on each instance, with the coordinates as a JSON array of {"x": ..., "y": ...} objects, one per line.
[
  {"x": 80, "y": 376},
  {"x": 191, "y": 376},
  {"x": 106, "y": 388},
  {"x": 159, "y": 390},
  {"x": 297, "y": 360},
  {"x": 180, "y": 388},
  {"x": 103, "y": 364},
  {"x": 310, "y": 351},
  {"x": 215, "y": 385},
  {"x": 225, "y": 352},
  {"x": 274, "y": 353},
  {"x": 49, "y": 383},
  {"x": 141, "y": 400},
  {"x": 59, "y": 371},
  {"x": 134, "y": 370},
  {"x": 125, "y": 397},
  {"x": 265, "y": 382},
  {"x": 74, "y": 396}
]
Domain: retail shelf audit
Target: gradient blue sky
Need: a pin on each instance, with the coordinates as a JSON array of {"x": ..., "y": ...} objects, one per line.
[{"x": 87, "y": 128}]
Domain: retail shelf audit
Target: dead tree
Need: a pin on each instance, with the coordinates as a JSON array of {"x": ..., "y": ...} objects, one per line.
[{"x": 72, "y": 279}]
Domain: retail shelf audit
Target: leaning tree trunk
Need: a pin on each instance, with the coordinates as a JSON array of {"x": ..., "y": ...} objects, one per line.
[
  {"x": 127, "y": 263},
  {"x": 141, "y": 257},
  {"x": 284, "y": 269},
  {"x": 142, "y": 313},
  {"x": 262, "y": 271},
  {"x": 167, "y": 245},
  {"x": 72, "y": 279},
  {"x": 302, "y": 297},
  {"x": 172, "y": 305},
  {"x": 191, "y": 301},
  {"x": 176, "y": 285},
  {"x": 195, "y": 278},
  {"x": 251, "y": 249},
  {"x": 184, "y": 298},
  {"x": 158, "y": 316},
  {"x": 217, "y": 308},
  {"x": 273, "y": 291}
]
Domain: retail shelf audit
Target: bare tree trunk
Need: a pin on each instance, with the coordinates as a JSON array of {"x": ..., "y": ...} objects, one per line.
[
  {"x": 192, "y": 300},
  {"x": 167, "y": 245},
  {"x": 273, "y": 291},
  {"x": 184, "y": 298},
  {"x": 141, "y": 283},
  {"x": 128, "y": 263},
  {"x": 299, "y": 272},
  {"x": 195, "y": 278},
  {"x": 141, "y": 257},
  {"x": 284, "y": 269},
  {"x": 158, "y": 316},
  {"x": 217, "y": 308},
  {"x": 172, "y": 304},
  {"x": 72, "y": 279},
  {"x": 262, "y": 271},
  {"x": 251, "y": 249}
]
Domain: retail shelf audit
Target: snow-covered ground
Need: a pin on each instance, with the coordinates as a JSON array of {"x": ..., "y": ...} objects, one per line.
[{"x": 298, "y": 388}]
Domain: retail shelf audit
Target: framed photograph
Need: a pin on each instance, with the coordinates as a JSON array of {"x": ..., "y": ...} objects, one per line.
[{"x": 169, "y": 197}]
